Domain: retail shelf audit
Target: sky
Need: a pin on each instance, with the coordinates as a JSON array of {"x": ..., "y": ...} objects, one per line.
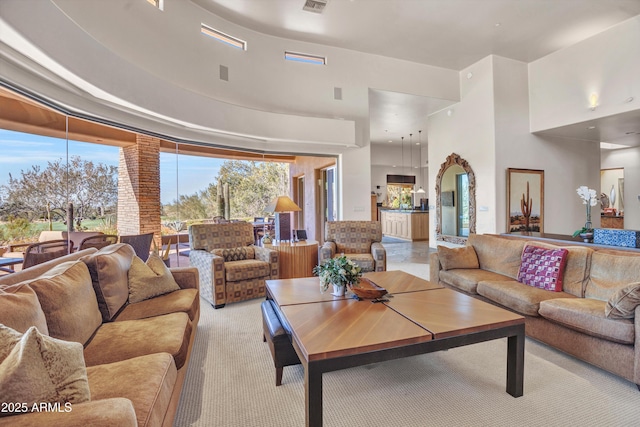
[{"x": 19, "y": 151}]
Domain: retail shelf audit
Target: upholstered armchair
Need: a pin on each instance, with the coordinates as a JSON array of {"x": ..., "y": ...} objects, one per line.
[
  {"x": 358, "y": 240},
  {"x": 231, "y": 268}
]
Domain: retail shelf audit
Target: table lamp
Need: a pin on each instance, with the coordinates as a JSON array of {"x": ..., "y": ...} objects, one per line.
[{"x": 282, "y": 206}]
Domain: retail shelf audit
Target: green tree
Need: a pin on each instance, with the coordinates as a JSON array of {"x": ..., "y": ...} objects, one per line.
[
  {"x": 252, "y": 186},
  {"x": 91, "y": 187}
]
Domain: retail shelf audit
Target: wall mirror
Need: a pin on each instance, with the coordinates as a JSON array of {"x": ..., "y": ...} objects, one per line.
[{"x": 455, "y": 200}]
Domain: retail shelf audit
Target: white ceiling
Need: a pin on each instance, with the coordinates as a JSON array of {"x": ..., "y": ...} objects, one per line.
[{"x": 446, "y": 33}]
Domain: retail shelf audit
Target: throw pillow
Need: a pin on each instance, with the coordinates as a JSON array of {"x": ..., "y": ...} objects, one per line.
[
  {"x": 464, "y": 257},
  {"x": 69, "y": 303},
  {"x": 149, "y": 280},
  {"x": 108, "y": 268},
  {"x": 21, "y": 308},
  {"x": 542, "y": 268},
  {"x": 235, "y": 254},
  {"x": 36, "y": 369},
  {"x": 623, "y": 303}
]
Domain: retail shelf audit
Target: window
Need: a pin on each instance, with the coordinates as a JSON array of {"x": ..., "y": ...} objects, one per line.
[
  {"x": 305, "y": 57},
  {"x": 157, "y": 3},
  {"x": 222, "y": 37}
]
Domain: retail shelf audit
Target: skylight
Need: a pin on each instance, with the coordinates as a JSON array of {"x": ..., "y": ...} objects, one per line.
[
  {"x": 222, "y": 37},
  {"x": 157, "y": 3},
  {"x": 305, "y": 57}
]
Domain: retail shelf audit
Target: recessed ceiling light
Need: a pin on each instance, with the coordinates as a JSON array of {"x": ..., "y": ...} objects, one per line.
[
  {"x": 629, "y": 99},
  {"x": 469, "y": 75},
  {"x": 497, "y": 24},
  {"x": 390, "y": 141},
  {"x": 591, "y": 128}
]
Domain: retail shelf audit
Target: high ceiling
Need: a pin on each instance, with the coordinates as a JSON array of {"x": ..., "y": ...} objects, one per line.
[{"x": 446, "y": 33}]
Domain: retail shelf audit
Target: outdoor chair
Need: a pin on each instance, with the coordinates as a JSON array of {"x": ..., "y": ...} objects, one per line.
[
  {"x": 98, "y": 241},
  {"x": 40, "y": 252},
  {"x": 141, "y": 244},
  {"x": 359, "y": 241},
  {"x": 230, "y": 266}
]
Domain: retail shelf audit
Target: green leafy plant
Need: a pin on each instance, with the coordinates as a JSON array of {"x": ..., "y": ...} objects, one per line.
[
  {"x": 582, "y": 230},
  {"x": 339, "y": 271}
]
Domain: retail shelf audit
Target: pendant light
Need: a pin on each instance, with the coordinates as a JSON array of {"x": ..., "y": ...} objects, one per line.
[
  {"x": 420, "y": 190},
  {"x": 411, "y": 158}
]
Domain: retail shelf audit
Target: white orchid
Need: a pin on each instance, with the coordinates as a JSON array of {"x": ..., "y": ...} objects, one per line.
[{"x": 588, "y": 195}]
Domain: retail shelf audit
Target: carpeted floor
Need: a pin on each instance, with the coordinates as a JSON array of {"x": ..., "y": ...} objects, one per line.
[{"x": 231, "y": 382}]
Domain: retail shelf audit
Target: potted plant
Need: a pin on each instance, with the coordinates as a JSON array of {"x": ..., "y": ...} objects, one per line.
[
  {"x": 589, "y": 198},
  {"x": 339, "y": 272}
]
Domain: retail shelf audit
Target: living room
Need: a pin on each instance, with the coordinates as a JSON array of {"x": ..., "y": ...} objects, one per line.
[{"x": 126, "y": 63}]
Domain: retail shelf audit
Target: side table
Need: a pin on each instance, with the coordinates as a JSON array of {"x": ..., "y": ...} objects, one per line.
[{"x": 297, "y": 259}]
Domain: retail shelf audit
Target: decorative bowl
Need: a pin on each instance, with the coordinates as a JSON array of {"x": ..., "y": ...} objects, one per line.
[{"x": 366, "y": 289}]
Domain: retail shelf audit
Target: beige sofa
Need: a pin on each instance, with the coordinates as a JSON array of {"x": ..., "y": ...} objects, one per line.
[
  {"x": 573, "y": 320},
  {"x": 136, "y": 354}
]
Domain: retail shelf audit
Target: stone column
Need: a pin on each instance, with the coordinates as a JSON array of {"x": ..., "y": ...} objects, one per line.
[{"x": 139, "y": 187}]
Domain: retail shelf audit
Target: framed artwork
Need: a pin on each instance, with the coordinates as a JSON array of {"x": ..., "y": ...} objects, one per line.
[{"x": 525, "y": 201}]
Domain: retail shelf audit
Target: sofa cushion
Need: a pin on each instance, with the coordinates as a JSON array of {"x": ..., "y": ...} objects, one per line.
[
  {"x": 542, "y": 268},
  {"x": 116, "y": 341},
  {"x": 236, "y": 271},
  {"x": 68, "y": 301},
  {"x": 35, "y": 369},
  {"x": 150, "y": 279},
  {"x": 588, "y": 316},
  {"x": 235, "y": 254},
  {"x": 611, "y": 271},
  {"x": 21, "y": 309},
  {"x": 497, "y": 254},
  {"x": 147, "y": 381},
  {"x": 109, "y": 267},
  {"x": 516, "y": 296},
  {"x": 364, "y": 261},
  {"x": 468, "y": 279},
  {"x": 452, "y": 258},
  {"x": 623, "y": 303},
  {"x": 183, "y": 300}
]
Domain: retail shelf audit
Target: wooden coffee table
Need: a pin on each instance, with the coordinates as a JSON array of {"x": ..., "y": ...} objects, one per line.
[{"x": 332, "y": 333}]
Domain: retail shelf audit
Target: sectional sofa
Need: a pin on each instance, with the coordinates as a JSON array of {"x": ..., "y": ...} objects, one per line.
[
  {"x": 135, "y": 354},
  {"x": 594, "y": 316}
]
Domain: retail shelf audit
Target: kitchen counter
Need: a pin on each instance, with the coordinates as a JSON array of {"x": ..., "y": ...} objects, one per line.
[{"x": 405, "y": 224}]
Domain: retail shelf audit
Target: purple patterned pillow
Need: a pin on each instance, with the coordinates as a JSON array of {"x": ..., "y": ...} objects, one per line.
[{"x": 542, "y": 268}]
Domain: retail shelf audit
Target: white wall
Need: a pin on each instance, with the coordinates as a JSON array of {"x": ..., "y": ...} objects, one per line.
[
  {"x": 629, "y": 159},
  {"x": 469, "y": 132},
  {"x": 607, "y": 64},
  {"x": 355, "y": 179},
  {"x": 567, "y": 164}
]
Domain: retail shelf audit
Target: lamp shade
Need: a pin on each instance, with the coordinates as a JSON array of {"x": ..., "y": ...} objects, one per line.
[{"x": 282, "y": 204}]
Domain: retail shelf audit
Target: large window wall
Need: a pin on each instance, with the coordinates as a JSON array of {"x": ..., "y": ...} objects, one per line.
[{"x": 53, "y": 164}]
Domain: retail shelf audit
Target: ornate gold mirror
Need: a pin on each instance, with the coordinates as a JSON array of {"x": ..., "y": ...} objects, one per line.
[{"x": 455, "y": 200}]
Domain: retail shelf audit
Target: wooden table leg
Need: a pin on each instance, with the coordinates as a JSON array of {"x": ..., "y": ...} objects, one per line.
[
  {"x": 313, "y": 396},
  {"x": 515, "y": 363}
]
